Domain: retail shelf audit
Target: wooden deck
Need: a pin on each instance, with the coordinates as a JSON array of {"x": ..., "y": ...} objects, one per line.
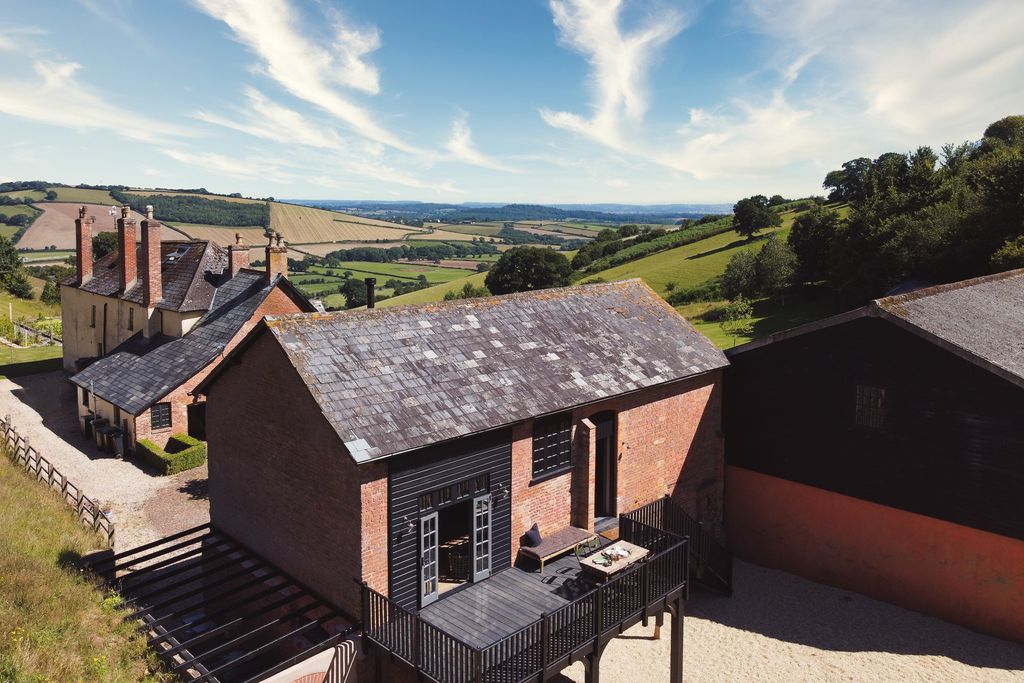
[{"x": 486, "y": 612}]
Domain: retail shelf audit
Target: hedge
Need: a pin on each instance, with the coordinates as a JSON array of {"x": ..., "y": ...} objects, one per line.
[
  {"x": 183, "y": 452},
  {"x": 676, "y": 238}
]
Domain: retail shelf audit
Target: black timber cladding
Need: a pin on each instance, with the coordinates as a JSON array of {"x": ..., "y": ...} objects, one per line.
[
  {"x": 951, "y": 443},
  {"x": 435, "y": 467}
]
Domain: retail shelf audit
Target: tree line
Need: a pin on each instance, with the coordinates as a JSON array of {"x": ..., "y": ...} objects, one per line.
[{"x": 190, "y": 209}]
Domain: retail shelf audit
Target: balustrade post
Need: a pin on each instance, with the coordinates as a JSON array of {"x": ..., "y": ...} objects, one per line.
[
  {"x": 416, "y": 645},
  {"x": 478, "y": 667},
  {"x": 365, "y": 606},
  {"x": 545, "y": 642}
]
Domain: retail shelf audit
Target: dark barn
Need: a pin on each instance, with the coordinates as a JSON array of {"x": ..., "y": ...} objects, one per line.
[{"x": 883, "y": 450}]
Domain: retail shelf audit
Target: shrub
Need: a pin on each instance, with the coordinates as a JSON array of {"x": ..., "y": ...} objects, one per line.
[{"x": 183, "y": 452}]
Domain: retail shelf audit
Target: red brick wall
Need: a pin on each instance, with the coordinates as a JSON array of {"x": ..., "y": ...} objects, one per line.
[
  {"x": 964, "y": 575},
  {"x": 282, "y": 484},
  {"x": 126, "y": 252},
  {"x": 278, "y": 302},
  {"x": 152, "y": 277},
  {"x": 669, "y": 441}
]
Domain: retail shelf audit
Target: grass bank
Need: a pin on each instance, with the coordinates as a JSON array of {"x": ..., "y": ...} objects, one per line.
[{"x": 56, "y": 624}]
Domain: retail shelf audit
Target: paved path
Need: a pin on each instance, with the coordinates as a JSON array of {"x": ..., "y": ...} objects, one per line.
[
  {"x": 780, "y": 627},
  {"x": 142, "y": 504}
]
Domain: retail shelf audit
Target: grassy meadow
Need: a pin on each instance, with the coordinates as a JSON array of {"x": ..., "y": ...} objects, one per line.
[
  {"x": 435, "y": 293},
  {"x": 57, "y": 624},
  {"x": 83, "y": 196}
]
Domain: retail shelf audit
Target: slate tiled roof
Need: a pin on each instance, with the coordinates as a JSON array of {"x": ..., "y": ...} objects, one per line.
[
  {"x": 982, "y": 317},
  {"x": 395, "y": 379},
  {"x": 139, "y": 373},
  {"x": 189, "y": 281}
]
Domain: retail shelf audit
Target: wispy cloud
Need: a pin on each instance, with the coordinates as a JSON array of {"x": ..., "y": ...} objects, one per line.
[
  {"x": 461, "y": 147},
  {"x": 317, "y": 71},
  {"x": 619, "y": 61},
  {"x": 252, "y": 167},
  {"x": 59, "y": 98}
]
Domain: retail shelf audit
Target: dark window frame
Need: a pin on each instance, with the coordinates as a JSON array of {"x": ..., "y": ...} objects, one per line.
[
  {"x": 131, "y": 318},
  {"x": 85, "y": 398},
  {"x": 93, "y": 322},
  {"x": 552, "y": 447},
  {"x": 153, "y": 419},
  {"x": 869, "y": 406}
]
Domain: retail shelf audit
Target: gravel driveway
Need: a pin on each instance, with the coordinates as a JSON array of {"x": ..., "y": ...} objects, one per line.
[{"x": 143, "y": 505}]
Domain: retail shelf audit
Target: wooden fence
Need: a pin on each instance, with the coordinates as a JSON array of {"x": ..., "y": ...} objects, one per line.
[{"x": 87, "y": 509}]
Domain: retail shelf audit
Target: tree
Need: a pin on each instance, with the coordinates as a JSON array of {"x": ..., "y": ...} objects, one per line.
[
  {"x": 628, "y": 230},
  {"x": 736, "y": 319},
  {"x": 1009, "y": 256},
  {"x": 50, "y": 294},
  {"x": 12, "y": 273},
  {"x": 753, "y": 214},
  {"x": 811, "y": 239},
  {"x": 468, "y": 291},
  {"x": 51, "y": 195},
  {"x": 774, "y": 265},
  {"x": 354, "y": 291},
  {"x": 528, "y": 268},
  {"x": 777, "y": 199},
  {"x": 103, "y": 244},
  {"x": 740, "y": 276}
]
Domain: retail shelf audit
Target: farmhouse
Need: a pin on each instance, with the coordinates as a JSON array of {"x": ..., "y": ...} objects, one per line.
[
  {"x": 393, "y": 460},
  {"x": 145, "y": 323},
  {"x": 882, "y": 450}
]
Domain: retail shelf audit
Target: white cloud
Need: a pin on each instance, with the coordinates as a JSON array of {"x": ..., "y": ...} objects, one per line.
[
  {"x": 619, "y": 61},
  {"x": 936, "y": 71},
  {"x": 310, "y": 70},
  {"x": 461, "y": 147},
  {"x": 58, "y": 98},
  {"x": 254, "y": 167}
]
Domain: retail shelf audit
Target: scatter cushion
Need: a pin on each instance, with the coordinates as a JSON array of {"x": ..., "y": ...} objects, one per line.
[{"x": 532, "y": 539}]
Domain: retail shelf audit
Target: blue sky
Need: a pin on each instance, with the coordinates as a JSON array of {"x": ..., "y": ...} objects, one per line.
[{"x": 521, "y": 101}]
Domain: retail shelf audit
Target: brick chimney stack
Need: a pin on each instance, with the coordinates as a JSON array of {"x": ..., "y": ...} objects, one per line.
[
  {"x": 152, "y": 281},
  {"x": 277, "y": 257},
  {"x": 126, "y": 249},
  {"x": 83, "y": 245},
  {"x": 238, "y": 255}
]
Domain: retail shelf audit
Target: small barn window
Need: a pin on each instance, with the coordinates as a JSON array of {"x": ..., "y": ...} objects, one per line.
[
  {"x": 552, "y": 445},
  {"x": 85, "y": 397},
  {"x": 93, "y": 322},
  {"x": 160, "y": 416},
  {"x": 870, "y": 407},
  {"x": 131, "y": 318},
  {"x": 426, "y": 501}
]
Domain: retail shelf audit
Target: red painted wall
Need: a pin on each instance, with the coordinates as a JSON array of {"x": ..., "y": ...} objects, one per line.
[{"x": 970, "y": 577}]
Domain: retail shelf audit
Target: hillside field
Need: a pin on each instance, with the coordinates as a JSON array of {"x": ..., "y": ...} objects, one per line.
[
  {"x": 57, "y": 225},
  {"x": 305, "y": 225},
  {"x": 82, "y": 196},
  {"x": 435, "y": 293}
]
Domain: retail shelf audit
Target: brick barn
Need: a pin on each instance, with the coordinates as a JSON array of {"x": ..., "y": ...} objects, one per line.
[
  {"x": 882, "y": 451},
  {"x": 365, "y": 445},
  {"x": 150, "y": 320}
]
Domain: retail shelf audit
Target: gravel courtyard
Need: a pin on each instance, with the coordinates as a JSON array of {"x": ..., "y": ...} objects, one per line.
[
  {"x": 776, "y": 626},
  {"x": 142, "y": 504}
]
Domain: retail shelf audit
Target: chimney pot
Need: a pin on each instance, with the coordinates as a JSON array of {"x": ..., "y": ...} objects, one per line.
[
  {"x": 149, "y": 211},
  {"x": 277, "y": 257},
  {"x": 125, "y": 211}
]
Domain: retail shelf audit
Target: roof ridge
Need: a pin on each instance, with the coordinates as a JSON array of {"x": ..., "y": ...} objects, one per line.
[
  {"x": 485, "y": 301},
  {"x": 896, "y": 299}
]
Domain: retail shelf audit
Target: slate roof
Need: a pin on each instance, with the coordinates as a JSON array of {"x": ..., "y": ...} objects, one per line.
[
  {"x": 189, "y": 280},
  {"x": 140, "y": 372},
  {"x": 980, "y": 320},
  {"x": 982, "y": 317},
  {"x": 391, "y": 380}
]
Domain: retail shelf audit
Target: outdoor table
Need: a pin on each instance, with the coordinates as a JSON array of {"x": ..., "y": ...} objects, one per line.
[{"x": 593, "y": 563}]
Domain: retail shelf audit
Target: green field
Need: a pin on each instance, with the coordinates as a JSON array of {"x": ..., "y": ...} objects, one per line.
[
  {"x": 29, "y": 361},
  {"x": 34, "y": 195},
  {"x": 76, "y": 195},
  {"x": 27, "y": 308},
  {"x": 690, "y": 264},
  {"x": 475, "y": 229},
  {"x": 8, "y": 230},
  {"x": 435, "y": 293},
  {"x": 770, "y": 316},
  {"x": 19, "y": 210},
  {"x": 58, "y": 255},
  {"x": 400, "y": 271},
  {"x": 57, "y": 624}
]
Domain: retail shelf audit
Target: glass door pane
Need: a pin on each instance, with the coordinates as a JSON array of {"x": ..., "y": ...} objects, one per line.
[
  {"x": 481, "y": 537},
  {"x": 428, "y": 559}
]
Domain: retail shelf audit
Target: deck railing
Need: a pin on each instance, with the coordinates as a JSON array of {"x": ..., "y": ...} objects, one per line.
[
  {"x": 711, "y": 561},
  {"x": 551, "y": 642}
]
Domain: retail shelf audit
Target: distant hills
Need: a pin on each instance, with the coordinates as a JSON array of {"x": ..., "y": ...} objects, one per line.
[{"x": 485, "y": 211}]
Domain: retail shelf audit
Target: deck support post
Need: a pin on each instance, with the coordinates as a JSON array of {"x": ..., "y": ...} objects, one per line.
[{"x": 676, "y": 655}]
